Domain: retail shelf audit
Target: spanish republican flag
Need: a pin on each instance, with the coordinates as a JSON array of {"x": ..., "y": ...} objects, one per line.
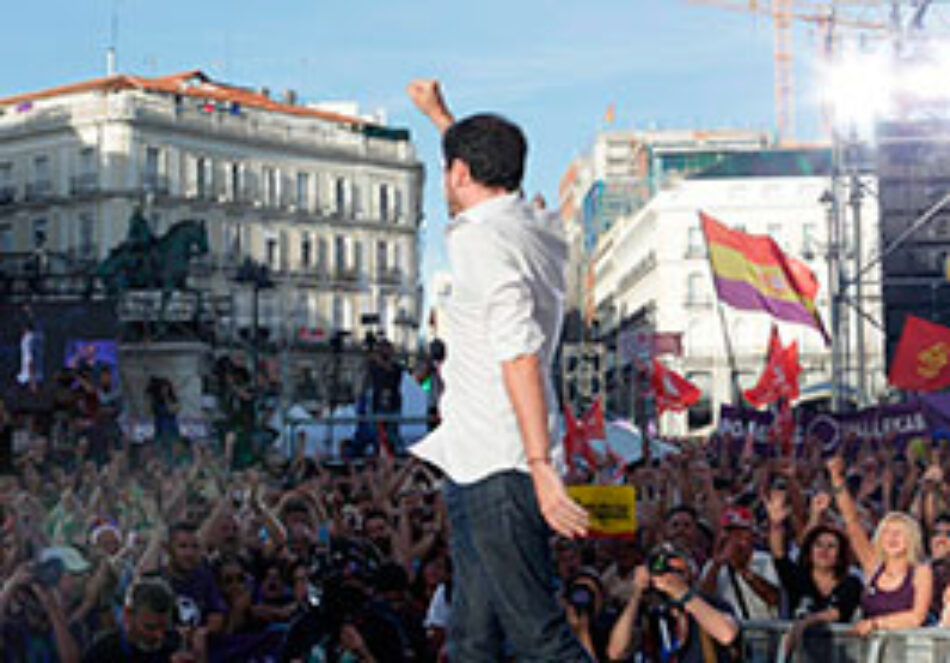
[
  {"x": 922, "y": 359},
  {"x": 752, "y": 273}
]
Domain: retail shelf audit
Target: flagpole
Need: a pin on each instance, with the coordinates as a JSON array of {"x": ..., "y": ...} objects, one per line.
[{"x": 733, "y": 367}]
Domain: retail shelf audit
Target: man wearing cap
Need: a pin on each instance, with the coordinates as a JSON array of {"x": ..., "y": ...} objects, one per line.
[
  {"x": 738, "y": 574},
  {"x": 676, "y": 622}
]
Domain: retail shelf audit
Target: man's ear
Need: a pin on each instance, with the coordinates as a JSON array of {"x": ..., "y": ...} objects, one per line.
[{"x": 459, "y": 173}]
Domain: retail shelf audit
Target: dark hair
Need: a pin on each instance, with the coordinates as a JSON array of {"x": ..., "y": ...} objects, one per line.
[
  {"x": 683, "y": 508},
  {"x": 152, "y": 593},
  {"x": 493, "y": 148},
  {"x": 843, "y": 561},
  {"x": 181, "y": 526}
]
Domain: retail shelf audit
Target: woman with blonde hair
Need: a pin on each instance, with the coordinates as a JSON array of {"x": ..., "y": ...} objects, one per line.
[{"x": 898, "y": 582}]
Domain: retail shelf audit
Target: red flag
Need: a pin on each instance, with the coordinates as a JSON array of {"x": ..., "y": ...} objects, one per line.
[
  {"x": 779, "y": 378},
  {"x": 922, "y": 359},
  {"x": 578, "y": 434},
  {"x": 593, "y": 421},
  {"x": 783, "y": 428},
  {"x": 671, "y": 390}
]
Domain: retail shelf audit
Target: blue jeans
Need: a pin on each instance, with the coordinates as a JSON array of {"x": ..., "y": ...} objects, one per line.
[{"x": 503, "y": 576}]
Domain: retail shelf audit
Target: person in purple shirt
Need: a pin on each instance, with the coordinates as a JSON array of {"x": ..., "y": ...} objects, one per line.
[
  {"x": 898, "y": 582},
  {"x": 198, "y": 598}
]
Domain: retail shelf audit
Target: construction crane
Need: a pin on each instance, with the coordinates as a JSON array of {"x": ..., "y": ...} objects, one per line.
[{"x": 870, "y": 19}]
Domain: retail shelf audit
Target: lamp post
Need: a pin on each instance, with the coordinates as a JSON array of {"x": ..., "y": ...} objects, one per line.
[{"x": 257, "y": 275}]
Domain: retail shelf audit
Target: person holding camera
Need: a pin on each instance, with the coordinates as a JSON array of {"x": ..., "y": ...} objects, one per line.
[
  {"x": 33, "y": 623},
  {"x": 585, "y": 600},
  {"x": 678, "y": 622}
]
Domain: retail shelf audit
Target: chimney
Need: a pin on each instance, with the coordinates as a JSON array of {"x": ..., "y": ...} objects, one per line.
[
  {"x": 290, "y": 97},
  {"x": 265, "y": 91}
]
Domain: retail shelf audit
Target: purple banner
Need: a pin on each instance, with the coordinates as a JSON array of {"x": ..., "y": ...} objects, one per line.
[
  {"x": 737, "y": 423},
  {"x": 899, "y": 423}
]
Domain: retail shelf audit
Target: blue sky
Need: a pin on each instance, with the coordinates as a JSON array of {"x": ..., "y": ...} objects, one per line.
[{"x": 553, "y": 66}]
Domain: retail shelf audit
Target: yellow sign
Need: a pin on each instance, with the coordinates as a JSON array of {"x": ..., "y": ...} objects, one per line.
[
  {"x": 931, "y": 361},
  {"x": 612, "y": 509}
]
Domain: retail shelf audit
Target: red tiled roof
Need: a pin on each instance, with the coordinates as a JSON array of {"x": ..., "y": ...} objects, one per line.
[{"x": 194, "y": 83}]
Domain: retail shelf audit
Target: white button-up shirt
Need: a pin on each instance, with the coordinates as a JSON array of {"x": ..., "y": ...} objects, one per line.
[{"x": 508, "y": 262}]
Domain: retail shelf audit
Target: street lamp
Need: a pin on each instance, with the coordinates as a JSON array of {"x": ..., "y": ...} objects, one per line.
[{"x": 257, "y": 275}]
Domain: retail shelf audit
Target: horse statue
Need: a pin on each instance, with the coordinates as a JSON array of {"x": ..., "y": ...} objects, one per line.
[
  {"x": 174, "y": 251},
  {"x": 146, "y": 262}
]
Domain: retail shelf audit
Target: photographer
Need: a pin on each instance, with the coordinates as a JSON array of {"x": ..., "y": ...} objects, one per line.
[
  {"x": 33, "y": 621},
  {"x": 584, "y": 603},
  {"x": 678, "y": 623}
]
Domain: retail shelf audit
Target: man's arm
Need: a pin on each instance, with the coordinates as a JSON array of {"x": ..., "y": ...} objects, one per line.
[
  {"x": 427, "y": 96},
  {"x": 522, "y": 377}
]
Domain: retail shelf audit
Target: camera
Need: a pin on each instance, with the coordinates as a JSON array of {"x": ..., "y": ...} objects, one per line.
[
  {"x": 659, "y": 562},
  {"x": 47, "y": 573},
  {"x": 581, "y": 598}
]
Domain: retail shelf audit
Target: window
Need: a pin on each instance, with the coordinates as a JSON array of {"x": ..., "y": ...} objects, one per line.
[
  {"x": 6, "y": 173},
  {"x": 303, "y": 184},
  {"x": 271, "y": 249},
  {"x": 358, "y": 257},
  {"x": 234, "y": 184},
  {"x": 397, "y": 257},
  {"x": 337, "y": 312},
  {"x": 700, "y": 414},
  {"x": 202, "y": 181},
  {"x": 40, "y": 233},
  {"x": 270, "y": 186},
  {"x": 6, "y": 238},
  {"x": 87, "y": 237},
  {"x": 87, "y": 160},
  {"x": 41, "y": 169},
  {"x": 384, "y": 202},
  {"x": 356, "y": 203},
  {"x": 284, "y": 257},
  {"x": 233, "y": 241},
  {"x": 339, "y": 253},
  {"x": 381, "y": 255},
  {"x": 322, "y": 254},
  {"x": 306, "y": 250},
  {"x": 340, "y": 198},
  {"x": 397, "y": 204},
  {"x": 151, "y": 173}
]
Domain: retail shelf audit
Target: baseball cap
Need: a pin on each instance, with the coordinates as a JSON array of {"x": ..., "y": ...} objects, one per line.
[
  {"x": 71, "y": 559},
  {"x": 736, "y": 517}
]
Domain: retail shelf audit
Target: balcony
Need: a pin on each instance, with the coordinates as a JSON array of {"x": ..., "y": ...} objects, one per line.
[
  {"x": 84, "y": 184},
  {"x": 347, "y": 275},
  {"x": 392, "y": 276},
  {"x": 7, "y": 195},
  {"x": 39, "y": 190},
  {"x": 155, "y": 183}
]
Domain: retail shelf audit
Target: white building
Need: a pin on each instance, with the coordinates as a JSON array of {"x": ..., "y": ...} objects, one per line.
[
  {"x": 331, "y": 203},
  {"x": 651, "y": 273}
]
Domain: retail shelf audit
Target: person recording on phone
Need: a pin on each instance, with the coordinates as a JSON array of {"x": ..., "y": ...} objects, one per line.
[{"x": 676, "y": 621}]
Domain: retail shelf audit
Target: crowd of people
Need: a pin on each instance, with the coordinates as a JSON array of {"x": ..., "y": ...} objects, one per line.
[{"x": 127, "y": 553}]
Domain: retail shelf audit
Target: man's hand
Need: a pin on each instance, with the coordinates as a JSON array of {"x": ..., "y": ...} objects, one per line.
[
  {"x": 671, "y": 584},
  {"x": 563, "y": 514},
  {"x": 427, "y": 96}
]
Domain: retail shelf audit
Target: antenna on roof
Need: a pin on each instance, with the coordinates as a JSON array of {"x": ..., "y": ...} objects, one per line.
[{"x": 113, "y": 38}]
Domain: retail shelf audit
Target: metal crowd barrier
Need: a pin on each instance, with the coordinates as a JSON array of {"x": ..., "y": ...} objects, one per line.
[{"x": 764, "y": 642}]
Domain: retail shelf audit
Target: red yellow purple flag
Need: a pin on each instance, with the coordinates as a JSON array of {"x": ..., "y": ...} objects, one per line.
[{"x": 752, "y": 273}]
